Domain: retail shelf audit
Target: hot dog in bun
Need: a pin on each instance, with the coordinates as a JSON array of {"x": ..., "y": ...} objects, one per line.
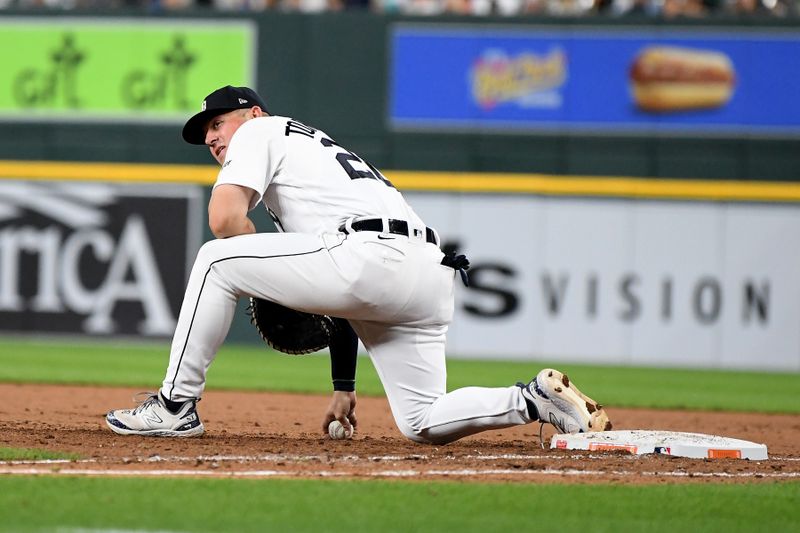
[{"x": 665, "y": 78}]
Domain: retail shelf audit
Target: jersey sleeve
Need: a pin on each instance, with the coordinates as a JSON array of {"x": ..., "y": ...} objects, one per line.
[{"x": 255, "y": 155}]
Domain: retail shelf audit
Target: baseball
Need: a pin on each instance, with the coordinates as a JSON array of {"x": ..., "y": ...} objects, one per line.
[{"x": 337, "y": 432}]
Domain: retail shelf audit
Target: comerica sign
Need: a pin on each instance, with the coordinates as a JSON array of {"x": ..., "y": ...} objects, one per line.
[
  {"x": 102, "y": 69},
  {"x": 79, "y": 258}
]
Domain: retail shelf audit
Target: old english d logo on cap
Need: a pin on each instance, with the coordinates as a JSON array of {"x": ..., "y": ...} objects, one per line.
[{"x": 220, "y": 101}]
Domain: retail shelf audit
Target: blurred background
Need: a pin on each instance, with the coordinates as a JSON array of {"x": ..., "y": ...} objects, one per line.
[{"x": 623, "y": 174}]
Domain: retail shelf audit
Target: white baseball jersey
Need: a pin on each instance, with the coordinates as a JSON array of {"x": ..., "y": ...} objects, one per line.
[
  {"x": 308, "y": 183},
  {"x": 392, "y": 288}
]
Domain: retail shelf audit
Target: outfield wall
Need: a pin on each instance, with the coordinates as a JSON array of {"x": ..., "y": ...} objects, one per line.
[{"x": 601, "y": 270}]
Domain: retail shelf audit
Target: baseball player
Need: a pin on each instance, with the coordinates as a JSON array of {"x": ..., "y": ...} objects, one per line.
[{"x": 350, "y": 247}]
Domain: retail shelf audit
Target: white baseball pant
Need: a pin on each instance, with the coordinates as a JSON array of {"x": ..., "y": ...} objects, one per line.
[{"x": 391, "y": 288}]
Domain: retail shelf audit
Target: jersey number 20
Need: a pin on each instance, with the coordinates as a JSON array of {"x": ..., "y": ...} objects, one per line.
[{"x": 344, "y": 158}]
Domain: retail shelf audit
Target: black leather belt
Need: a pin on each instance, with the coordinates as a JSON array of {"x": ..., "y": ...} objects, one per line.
[{"x": 398, "y": 227}]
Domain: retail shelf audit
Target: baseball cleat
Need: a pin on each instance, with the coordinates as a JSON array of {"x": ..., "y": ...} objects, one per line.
[
  {"x": 560, "y": 403},
  {"x": 152, "y": 418}
]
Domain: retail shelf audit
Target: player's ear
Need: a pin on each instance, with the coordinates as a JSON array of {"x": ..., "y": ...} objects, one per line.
[{"x": 256, "y": 111}]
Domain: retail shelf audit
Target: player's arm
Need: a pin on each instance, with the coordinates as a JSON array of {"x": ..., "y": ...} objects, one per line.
[
  {"x": 344, "y": 356},
  {"x": 227, "y": 211}
]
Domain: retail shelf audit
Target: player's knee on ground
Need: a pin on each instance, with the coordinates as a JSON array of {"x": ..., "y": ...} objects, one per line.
[
  {"x": 414, "y": 430},
  {"x": 411, "y": 433}
]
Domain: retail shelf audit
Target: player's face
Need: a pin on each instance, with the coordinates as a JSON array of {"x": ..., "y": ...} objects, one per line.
[{"x": 220, "y": 129}]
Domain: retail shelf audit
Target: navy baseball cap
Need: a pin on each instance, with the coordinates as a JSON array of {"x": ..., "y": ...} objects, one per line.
[{"x": 220, "y": 101}]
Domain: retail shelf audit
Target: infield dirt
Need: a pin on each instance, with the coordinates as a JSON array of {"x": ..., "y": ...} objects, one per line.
[{"x": 279, "y": 435}]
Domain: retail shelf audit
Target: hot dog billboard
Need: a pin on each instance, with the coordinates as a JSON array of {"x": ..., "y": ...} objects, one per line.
[{"x": 589, "y": 79}]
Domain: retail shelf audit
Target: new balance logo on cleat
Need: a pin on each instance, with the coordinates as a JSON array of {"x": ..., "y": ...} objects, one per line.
[
  {"x": 152, "y": 418},
  {"x": 558, "y": 423}
]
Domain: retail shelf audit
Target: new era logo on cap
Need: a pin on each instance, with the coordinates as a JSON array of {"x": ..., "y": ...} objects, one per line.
[
  {"x": 203, "y": 107},
  {"x": 242, "y": 101}
]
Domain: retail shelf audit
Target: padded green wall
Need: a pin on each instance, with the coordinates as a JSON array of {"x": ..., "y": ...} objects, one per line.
[{"x": 331, "y": 72}]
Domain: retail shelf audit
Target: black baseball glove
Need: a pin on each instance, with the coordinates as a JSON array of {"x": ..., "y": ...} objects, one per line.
[{"x": 289, "y": 331}]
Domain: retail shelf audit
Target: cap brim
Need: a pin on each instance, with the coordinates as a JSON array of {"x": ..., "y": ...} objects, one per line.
[{"x": 194, "y": 129}]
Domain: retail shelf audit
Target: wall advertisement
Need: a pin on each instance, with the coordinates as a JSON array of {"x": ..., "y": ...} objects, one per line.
[
  {"x": 95, "y": 258},
  {"x": 701, "y": 81},
  {"x": 116, "y": 69},
  {"x": 636, "y": 282}
]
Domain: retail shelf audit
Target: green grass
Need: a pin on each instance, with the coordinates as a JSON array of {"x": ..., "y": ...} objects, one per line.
[
  {"x": 32, "y": 454},
  {"x": 323, "y": 505},
  {"x": 68, "y": 504},
  {"x": 254, "y": 368}
]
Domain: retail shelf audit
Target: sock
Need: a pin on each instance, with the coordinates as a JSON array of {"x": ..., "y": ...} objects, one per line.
[
  {"x": 172, "y": 407},
  {"x": 533, "y": 412}
]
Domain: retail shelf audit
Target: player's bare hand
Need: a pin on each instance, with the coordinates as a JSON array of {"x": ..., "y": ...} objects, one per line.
[{"x": 341, "y": 408}]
